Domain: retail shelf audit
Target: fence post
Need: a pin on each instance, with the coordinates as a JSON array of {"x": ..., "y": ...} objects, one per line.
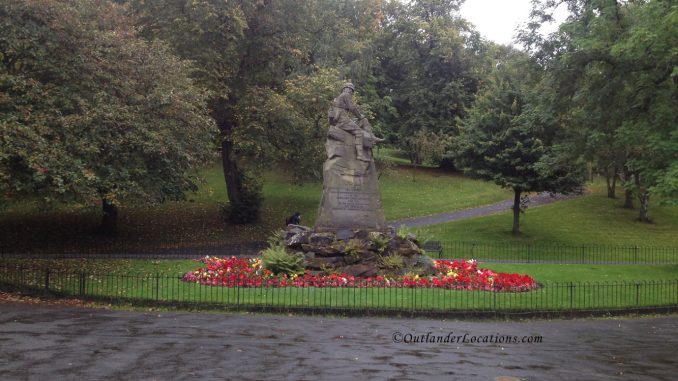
[
  {"x": 237, "y": 293},
  {"x": 157, "y": 286},
  {"x": 571, "y": 295},
  {"x": 47, "y": 279},
  {"x": 82, "y": 286},
  {"x": 528, "y": 252},
  {"x": 637, "y": 294},
  {"x": 583, "y": 248},
  {"x": 414, "y": 298},
  {"x": 494, "y": 299},
  {"x": 635, "y": 254}
]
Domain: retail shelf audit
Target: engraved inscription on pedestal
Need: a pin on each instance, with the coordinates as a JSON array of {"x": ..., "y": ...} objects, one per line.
[
  {"x": 350, "y": 197},
  {"x": 352, "y": 200}
]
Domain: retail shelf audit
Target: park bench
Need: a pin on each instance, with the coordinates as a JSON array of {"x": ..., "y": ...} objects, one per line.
[{"x": 433, "y": 247}]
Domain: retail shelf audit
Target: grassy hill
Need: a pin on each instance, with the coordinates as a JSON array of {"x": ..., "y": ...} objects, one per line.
[
  {"x": 593, "y": 219},
  {"x": 199, "y": 221}
]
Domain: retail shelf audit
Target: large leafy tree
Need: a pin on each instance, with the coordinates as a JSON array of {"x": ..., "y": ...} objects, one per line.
[
  {"x": 432, "y": 62},
  {"x": 90, "y": 112},
  {"x": 510, "y": 138},
  {"x": 650, "y": 128},
  {"x": 246, "y": 51},
  {"x": 290, "y": 127},
  {"x": 612, "y": 70}
]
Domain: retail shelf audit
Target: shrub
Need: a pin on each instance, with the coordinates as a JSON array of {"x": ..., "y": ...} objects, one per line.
[
  {"x": 275, "y": 239},
  {"x": 403, "y": 232},
  {"x": 447, "y": 163},
  {"x": 395, "y": 261},
  {"x": 277, "y": 260},
  {"x": 423, "y": 236},
  {"x": 353, "y": 247},
  {"x": 380, "y": 241}
]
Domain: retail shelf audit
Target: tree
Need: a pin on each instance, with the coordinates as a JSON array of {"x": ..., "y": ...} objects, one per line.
[
  {"x": 510, "y": 139},
  {"x": 91, "y": 112},
  {"x": 290, "y": 126},
  {"x": 649, "y": 129},
  {"x": 425, "y": 147},
  {"x": 246, "y": 50},
  {"x": 431, "y": 65},
  {"x": 612, "y": 68}
]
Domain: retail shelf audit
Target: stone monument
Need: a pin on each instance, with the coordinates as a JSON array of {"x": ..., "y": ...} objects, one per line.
[
  {"x": 350, "y": 198},
  {"x": 350, "y": 234}
]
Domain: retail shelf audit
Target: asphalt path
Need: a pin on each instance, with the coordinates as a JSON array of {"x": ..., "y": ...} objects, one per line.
[
  {"x": 486, "y": 210},
  {"x": 40, "y": 342}
]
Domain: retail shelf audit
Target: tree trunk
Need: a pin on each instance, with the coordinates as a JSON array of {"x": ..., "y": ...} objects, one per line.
[
  {"x": 232, "y": 174},
  {"x": 628, "y": 199},
  {"x": 109, "y": 220},
  {"x": 611, "y": 180},
  {"x": 592, "y": 173},
  {"x": 516, "y": 211},
  {"x": 628, "y": 193},
  {"x": 244, "y": 202},
  {"x": 644, "y": 198}
]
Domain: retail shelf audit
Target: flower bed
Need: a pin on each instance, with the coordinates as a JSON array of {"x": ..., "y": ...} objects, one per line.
[{"x": 460, "y": 275}]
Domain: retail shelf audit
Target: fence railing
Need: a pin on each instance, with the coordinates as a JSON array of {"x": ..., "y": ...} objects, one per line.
[
  {"x": 555, "y": 297},
  {"x": 482, "y": 251},
  {"x": 106, "y": 251},
  {"x": 553, "y": 253}
]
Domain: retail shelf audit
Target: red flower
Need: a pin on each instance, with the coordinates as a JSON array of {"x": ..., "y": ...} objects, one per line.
[{"x": 461, "y": 275}]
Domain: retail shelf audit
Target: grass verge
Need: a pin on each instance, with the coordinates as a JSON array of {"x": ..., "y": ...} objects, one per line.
[{"x": 590, "y": 220}]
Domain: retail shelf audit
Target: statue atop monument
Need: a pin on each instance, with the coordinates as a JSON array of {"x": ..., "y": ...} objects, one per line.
[
  {"x": 342, "y": 113},
  {"x": 351, "y": 197}
]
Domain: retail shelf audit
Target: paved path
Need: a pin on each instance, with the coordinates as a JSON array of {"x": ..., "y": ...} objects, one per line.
[
  {"x": 540, "y": 199},
  {"x": 66, "y": 343}
]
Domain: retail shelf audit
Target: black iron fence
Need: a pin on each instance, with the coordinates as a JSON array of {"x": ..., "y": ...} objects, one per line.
[
  {"x": 556, "y": 297},
  {"x": 122, "y": 251},
  {"x": 481, "y": 251}
]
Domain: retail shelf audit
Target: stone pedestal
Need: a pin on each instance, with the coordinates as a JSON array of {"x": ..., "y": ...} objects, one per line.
[{"x": 350, "y": 198}]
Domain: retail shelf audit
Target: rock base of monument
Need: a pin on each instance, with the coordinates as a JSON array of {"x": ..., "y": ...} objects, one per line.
[{"x": 360, "y": 253}]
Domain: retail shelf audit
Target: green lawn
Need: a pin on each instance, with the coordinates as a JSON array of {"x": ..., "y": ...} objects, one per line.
[
  {"x": 588, "y": 273},
  {"x": 199, "y": 222},
  {"x": 434, "y": 191},
  {"x": 394, "y": 155},
  {"x": 590, "y": 220}
]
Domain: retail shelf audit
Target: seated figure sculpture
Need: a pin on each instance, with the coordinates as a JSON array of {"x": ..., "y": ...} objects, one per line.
[
  {"x": 345, "y": 115},
  {"x": 351, "y": 198}
]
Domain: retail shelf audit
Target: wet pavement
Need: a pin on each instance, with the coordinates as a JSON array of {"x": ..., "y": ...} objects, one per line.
[{"x": 52, "y": 342}]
